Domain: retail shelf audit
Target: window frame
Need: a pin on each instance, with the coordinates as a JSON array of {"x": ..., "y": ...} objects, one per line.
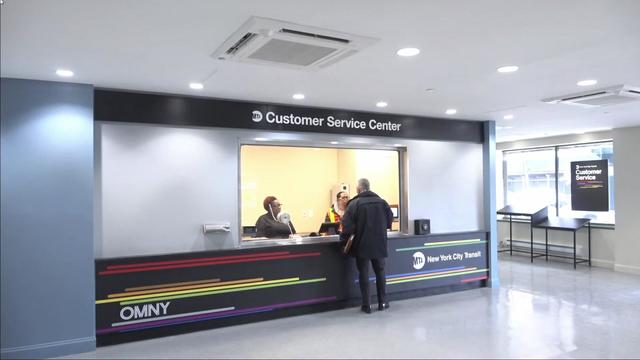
[
  {"x": 555, "y": 149},
  {"x": 402, "y": 177}
]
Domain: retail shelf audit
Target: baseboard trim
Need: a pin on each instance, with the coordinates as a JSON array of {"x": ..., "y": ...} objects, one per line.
[
  {"x": 607, "y": 264},
  {"x": 629, "y": 269},
  {"x": 601, "y": 263},
  {"x": 50, "y": 349}
]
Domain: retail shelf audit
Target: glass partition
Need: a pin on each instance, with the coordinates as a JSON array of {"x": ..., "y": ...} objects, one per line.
[
  {"x": 308, "y": 182},
  {"x": 530, "y": 178},
  {"x": 534, "y": 178}
]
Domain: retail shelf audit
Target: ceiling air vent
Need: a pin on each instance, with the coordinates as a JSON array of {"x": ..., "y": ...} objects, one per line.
[
  {"x": 278, "y": 43},
  {"x": 601, "y": 97}
]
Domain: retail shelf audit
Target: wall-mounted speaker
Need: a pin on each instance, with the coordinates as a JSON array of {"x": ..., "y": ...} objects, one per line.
[{"x": 421, "y": 226}]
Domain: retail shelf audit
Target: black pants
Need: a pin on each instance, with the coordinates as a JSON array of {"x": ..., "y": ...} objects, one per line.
[{"x": 381, "y": 282}]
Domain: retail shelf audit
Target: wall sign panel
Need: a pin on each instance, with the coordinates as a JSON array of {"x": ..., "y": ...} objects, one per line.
[
  {"x": 192, "y": 111},
  {"x": 590, "y": 185}
]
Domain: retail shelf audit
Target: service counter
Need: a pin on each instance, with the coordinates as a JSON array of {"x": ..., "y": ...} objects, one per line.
[{"x": 151, "y": 296}]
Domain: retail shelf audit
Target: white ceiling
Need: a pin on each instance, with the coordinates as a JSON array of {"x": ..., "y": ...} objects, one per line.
[{"x": 162, "y": 45}]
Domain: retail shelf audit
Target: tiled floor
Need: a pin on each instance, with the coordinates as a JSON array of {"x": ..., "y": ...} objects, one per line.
[{"x": 540, "y": 311}]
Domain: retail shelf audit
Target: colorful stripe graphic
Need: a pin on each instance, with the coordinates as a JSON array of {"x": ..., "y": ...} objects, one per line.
[
  {"x": 178, "y": 264},
  {"x": 188, "y": 287},
  {"x": 187, "y": 261},
  {"x": 190, "y": 317},
  {"x": 428, "y": 275},
  {"x": 193, "y": 291},
  {"x": 485, "y": 277},
  {"x": 373, "y": 278},
  {"x": 444, "y": 244},
  {"x": 436, "y": 276},
  {"x": 148, "y": 287},
  {"x": 215, "y": 292},
  {"x": 172, "y": 316}
]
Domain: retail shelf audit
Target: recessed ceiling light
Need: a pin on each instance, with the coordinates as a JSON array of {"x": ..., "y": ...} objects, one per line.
[
  {"x": 397, "y": 145},
  {"x": 587, "y": 82},
  {"x": 298, "y": 96},
  {"x": 334, "y": 143},
  {"x": 508, "y": 117},
  {"x": 64, "y": 73},
  {"x": 381, "y": 104},
  {"x": 408, "y": 52},
  {"x": 507, "y": 69},
  {"x": 451, "y": 111},
  {"x": 430, "y": 90},
  {"x": 260, "y": 139},
  {"x": 196, "y": 86}
]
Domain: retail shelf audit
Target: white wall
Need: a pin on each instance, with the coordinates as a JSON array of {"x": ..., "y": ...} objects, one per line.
[
  {"x": 157, "y": 185},
  {"x": 626, "y": 149},
  {"x": 445, "y": 185},
  {"x": 620, "y": 248}
]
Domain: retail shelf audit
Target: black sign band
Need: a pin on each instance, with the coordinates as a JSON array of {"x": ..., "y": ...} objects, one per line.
[{"x": 193, "y": 111}]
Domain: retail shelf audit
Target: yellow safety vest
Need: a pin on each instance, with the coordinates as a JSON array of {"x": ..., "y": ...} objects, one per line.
[{"x": 332, "y": 215}]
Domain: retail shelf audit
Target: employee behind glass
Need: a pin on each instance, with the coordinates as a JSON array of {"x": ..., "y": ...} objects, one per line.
[
  {"x": 270, "y": 225},
  {"x": 336, "y": 211},
  {"x": 368, "y": 217}
]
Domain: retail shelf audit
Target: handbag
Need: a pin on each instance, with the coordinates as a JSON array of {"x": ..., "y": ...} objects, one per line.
[{"x": 347, "y": 245}]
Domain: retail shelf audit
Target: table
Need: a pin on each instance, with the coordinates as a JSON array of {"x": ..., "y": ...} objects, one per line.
[
  {"x": 566, "y": 224},
  {"x": 535, "y": 216}
]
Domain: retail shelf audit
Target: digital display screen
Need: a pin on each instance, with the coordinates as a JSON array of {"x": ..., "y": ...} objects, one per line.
[{"x": 394, "y": 210}]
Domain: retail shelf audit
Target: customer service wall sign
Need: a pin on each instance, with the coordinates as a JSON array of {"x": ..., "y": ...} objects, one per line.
[
  {"x": 123, "y": 106},
  {"x": 590, "y": 185}
]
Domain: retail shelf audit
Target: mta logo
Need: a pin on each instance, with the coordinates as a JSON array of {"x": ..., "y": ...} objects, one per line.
[
  {"x": 418, "y": 260},
  {"x": 256, "y": 116}
]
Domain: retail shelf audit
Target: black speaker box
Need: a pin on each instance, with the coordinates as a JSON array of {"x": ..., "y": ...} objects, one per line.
[{"x": 422, "y": 226}]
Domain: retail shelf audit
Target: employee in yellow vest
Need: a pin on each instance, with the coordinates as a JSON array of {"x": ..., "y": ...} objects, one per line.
[{"x": 335, "y": 212}]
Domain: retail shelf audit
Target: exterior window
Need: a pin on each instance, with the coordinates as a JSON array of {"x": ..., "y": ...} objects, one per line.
[{"x": 529, "y": 178}]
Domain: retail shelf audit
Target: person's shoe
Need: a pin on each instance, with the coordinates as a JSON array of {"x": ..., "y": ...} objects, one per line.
[
  {"x": 383, "y": 306},
  {"x": 366, "y": 309}
]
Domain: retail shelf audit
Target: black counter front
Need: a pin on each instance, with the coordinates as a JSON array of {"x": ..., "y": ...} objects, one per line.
[{"x": 143, "y": 297}]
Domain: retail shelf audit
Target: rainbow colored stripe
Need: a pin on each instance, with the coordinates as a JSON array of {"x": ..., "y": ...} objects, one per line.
[
  {"x": 210, "y": 261},
  {"x": 432, "y": 274},
  {"x": 438, "y": 244},
  {"x": 198, "y": 288},
  {"x": 204, "y": 316}
]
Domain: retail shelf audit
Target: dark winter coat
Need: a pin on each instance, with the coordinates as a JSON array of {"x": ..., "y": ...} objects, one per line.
[
  {"x": 267, "y": 226},
  {"x": 368, "y": 217}
]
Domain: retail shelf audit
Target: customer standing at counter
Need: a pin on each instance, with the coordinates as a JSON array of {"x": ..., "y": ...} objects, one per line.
[
  {"x": 268, "y": 225},
  {"x": 368, "y": 217}
]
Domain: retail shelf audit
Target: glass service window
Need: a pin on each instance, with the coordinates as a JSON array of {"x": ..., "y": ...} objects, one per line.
[{"x": 307, "y": 180}]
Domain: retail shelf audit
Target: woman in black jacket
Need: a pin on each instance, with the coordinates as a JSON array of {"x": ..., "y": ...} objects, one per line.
[{"x": 268, "y": 225}]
